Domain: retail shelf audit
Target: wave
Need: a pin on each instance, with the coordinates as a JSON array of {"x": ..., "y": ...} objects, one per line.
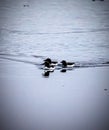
[
  {"x": 32, "y": 61},
  {"x": 21, "y": 32},
  {"x": 91, "y": 64},
  {"x": 21, "y": 55}
]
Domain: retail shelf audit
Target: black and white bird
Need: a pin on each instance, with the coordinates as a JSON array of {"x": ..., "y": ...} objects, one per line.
[
  {"x": 66, "y": 64},
  {"x": 48, "y": 67},
  {"x": 54, "y": 63}
]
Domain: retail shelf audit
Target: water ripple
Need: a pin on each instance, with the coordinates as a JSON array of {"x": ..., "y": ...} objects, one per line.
[
  {"x": 80, "y": 64},
  {"x": 20, "y": 32}
]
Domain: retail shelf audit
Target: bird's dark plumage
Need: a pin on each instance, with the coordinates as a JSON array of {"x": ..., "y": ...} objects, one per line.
[
  {"x": 67, "y": 64},
  {"x": 50, "y": 61}
]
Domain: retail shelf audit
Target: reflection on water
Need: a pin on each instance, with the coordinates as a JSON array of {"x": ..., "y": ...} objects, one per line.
[{"x": 46, "y": 73}]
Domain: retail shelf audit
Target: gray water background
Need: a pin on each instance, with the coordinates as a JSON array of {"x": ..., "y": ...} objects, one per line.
[
  {"x": 59, "y": 29},
  {"x": 75, "y": 30}
]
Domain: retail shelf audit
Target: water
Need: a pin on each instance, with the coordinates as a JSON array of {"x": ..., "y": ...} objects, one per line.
[{"x": 72, "y": 30}]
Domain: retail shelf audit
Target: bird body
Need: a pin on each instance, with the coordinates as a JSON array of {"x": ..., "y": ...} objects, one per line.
[
  {"x": 54, "y": 63},
  {"x": 67, "y": 64},
  {"x": 51, "y": 69},
  {"x": 48, "y": 66}
]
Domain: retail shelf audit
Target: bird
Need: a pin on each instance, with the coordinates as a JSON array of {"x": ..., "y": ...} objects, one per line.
[
  {"x": 48, "y": 66},
  {"x": 51, "y": 62},
  {"x": 67, "y": 64}
]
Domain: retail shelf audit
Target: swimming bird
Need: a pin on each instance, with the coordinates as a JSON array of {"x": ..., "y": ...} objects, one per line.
[
  {"x": 51, "y": 62},
  {"x": 67, "y": 64},
  {"x": 49, "y": 67}
]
